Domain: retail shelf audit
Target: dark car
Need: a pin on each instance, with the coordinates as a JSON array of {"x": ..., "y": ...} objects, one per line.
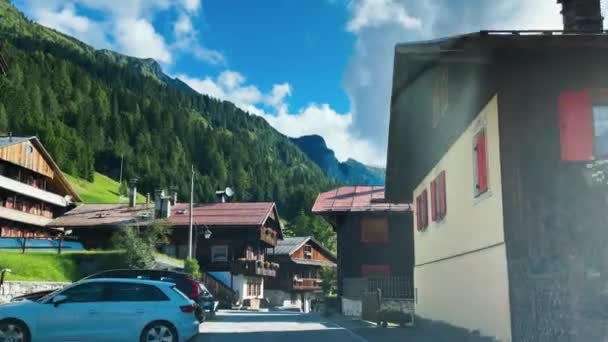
[{"x": 184, "y": 282}]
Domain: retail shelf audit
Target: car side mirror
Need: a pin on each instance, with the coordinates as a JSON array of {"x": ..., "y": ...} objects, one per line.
[{"x": 58, "y": 299}]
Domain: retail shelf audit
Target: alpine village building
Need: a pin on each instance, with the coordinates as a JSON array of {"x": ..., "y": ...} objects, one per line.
[
  {"x": 231, "y": 239},
  {"x": 498, "y": 139},
  {"x": 33, "y": 191},
  {"x": 298, "y": 282},
  {"x": 375, "y": 247}
]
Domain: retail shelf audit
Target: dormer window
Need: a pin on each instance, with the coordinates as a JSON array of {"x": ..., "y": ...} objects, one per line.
[{"x": 307, "y": 252}]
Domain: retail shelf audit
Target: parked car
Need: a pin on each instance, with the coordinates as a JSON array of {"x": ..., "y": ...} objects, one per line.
[
  {"x": 103, "y": 310},
  {"x": 192, "y": 288}
]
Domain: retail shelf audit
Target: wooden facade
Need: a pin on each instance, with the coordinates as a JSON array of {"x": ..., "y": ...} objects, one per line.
[
  {"x": 26, "y": 155},
  {"x": 300, "y": 265},
  {"x": 553, "y": 217}
]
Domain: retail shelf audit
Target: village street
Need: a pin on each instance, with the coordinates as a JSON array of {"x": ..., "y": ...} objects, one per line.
[{"x": 284, "y": 326}]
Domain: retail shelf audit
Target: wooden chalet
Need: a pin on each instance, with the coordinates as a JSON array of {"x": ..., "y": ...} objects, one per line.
[
  {"x": 33, "y": 190},
  {"x": 236, "y": 251},
  {"x": 299, "y": 278},
  {"x": 374, "y": 243}
]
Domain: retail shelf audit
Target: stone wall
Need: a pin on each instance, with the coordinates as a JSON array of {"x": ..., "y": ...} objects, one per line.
[
  {"x": 351, "y": 307},
  {"x": 12, "y": 289},
  {"x": 402, "y": 305}
]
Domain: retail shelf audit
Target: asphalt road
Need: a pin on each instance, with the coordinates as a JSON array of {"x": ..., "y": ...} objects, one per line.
[{"x": 236, "y": 326}]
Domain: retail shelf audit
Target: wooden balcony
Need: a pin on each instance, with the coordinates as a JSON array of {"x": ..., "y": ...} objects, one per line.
[
  {"x": 33, "y": 192},
  {"x": 308, "y": 284},
  {"x": 269, "y": 236},
  {"x": 254, "y": 268}
]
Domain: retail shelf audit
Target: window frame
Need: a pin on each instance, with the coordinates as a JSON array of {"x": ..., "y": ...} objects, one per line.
[
  {"x": 366, "y": 225},
  {"x": 103, "y": 297},
  {"x": 162, "y": 297},
  {"x": 215, "y": 249},
  {"x": 307, "y": 249},
  {"x": 480, "y": 172}
]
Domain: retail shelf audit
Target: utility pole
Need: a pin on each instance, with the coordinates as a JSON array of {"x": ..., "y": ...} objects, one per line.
[
  {"x": 191, "y": 215},
  {"x": 120, "y": 179}
]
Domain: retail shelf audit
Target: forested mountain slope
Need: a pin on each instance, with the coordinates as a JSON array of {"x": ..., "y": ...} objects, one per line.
[{"x": 90, "y": 107}]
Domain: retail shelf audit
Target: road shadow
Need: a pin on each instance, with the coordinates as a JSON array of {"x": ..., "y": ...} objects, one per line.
[
  {"x": 325, "y": 335},
  {"x": 271, "y": 317}
]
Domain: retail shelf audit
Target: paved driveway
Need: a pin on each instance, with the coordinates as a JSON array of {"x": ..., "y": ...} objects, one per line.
[{"x": 273, "y": 326}]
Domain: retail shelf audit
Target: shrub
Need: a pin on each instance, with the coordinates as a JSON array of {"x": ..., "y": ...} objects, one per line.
[
  {"x": 329, "y": 277},
  {"x": 192, "y": 267},
  {"x": 139, "y": 245}
]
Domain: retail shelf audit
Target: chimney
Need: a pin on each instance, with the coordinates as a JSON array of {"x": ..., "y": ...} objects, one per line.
[
  {"x": 147, "y": 199},
  {"x": 582, "y": 15},
  {"x": 220, "y": 196},
  {"x": 10, "y": 136},
  {"x": 165, "y": 207},
  {"x": 173, "y": 194},
  {"x": 133, "y": 193}
]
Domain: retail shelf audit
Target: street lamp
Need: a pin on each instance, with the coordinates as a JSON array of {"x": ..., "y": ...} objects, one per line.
[{"x": 207, "y": 233}]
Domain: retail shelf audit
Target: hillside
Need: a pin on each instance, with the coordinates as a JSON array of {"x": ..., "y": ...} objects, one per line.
[
  {"x": 102, "y": 189},
  {"x": 350, "y": 172},
  {"x": 90, "y": 107}
]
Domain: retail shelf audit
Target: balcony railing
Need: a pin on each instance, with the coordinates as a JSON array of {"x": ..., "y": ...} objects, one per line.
[
  {"x": 269, "y": 236},
  {"x": 306, "y": 284},
  {"x": 33, "y": 192},
  {"x": 23, "y": 217},
  {"x": 254, "y": 268}
]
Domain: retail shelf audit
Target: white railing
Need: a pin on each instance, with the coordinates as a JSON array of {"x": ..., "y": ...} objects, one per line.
[
  {"x": 20, "y": 216},
  {"x": 33, "y": 192}
]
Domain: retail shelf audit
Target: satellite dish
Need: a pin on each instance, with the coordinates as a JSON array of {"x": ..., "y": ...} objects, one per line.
[{"x": 229, "y": 192}]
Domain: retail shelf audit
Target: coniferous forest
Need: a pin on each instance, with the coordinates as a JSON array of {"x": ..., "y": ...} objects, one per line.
[{"x": 91, "y": 107}]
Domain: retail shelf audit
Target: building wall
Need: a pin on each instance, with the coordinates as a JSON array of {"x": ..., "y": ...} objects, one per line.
[
  {"x": 466, "y": 248},
  {"x": 239, "y": 284},
  {"x": 317, "y": 254},
  {"x": 397, "y": 253},
  {"x": 555, "y": 223}
]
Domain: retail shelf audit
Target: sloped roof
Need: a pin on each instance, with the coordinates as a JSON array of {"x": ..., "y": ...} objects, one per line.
[
  {"x": 223, "y": 214},
  {"x": 91, "y": 215},
  {"x": 290, "y": 245},
  {"x": 10, "y": 140},
  {"x": 349, "y": 199}
]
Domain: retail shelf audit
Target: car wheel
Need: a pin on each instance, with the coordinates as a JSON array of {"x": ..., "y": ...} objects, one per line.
[
  {"x": 14, "y": 331},
  {"x": 159, "y": 332}
]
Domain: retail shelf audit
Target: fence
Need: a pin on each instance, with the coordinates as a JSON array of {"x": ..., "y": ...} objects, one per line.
[{"x": 392, "y": 287}]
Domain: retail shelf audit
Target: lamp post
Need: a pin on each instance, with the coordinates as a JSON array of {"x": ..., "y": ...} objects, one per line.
[{"x": 191, "y": 217}]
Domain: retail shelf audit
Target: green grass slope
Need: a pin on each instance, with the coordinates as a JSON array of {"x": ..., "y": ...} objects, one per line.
[
  {"x": 39, "y": 266},
  {"x": 102, "y": 190}
]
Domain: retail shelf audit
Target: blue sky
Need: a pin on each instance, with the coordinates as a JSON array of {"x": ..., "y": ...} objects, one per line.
[{"x": 307, "y": 66}]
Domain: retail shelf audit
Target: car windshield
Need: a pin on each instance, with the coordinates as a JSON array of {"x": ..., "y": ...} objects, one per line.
[{"x": 345, "y": 170}]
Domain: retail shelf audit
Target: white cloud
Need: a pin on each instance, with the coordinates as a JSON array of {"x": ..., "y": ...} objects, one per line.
[
  {"x": 191, "y": 6},
  {"x": 138, "y": 38},
  {"x": 375, "y": 13},
  {"x": 318, "y": 119},
  {"x": 66, "y": 20},
  {"x": 334, "y": 127},
  {"x": 368, "y": 76},
  {"x": 183, "y": 26}
]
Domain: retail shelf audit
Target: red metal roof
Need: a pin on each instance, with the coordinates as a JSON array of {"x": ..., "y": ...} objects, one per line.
[
  {"x": 356, "y": 199},
  {"x": 223, "y": 214}
]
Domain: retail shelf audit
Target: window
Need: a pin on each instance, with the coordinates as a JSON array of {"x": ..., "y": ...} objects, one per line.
[
  {"x": 254, "y": 288},
  {"x": 219, "y": 253},
  {"x": 480, "y": 157},
  {"x": 438, "y": 198},
  {"x": 600, "y": 131},
  {"x": 127, "y": 292},
  {"x": 375, "y": 270},
  {"x": 307, "y": 252},
  {"x": 422, "y": 215},
  {"x": 85, "y": 293},
  {"x": 374, "y": 230}
]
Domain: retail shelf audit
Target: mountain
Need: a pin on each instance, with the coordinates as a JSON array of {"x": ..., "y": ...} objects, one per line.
[
  {"x": 350, "y": 172},
  {"x": 91, "y": 108}
]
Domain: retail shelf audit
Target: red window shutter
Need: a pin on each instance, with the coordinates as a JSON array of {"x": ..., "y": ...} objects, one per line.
[
  {"x": 425, "y": 210},
  {"x": 482, "y": 163},
  {"x": 443, "y": 208},
  {"x": 434, "y": 200},
  {"x": 575, "y": 125}
]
